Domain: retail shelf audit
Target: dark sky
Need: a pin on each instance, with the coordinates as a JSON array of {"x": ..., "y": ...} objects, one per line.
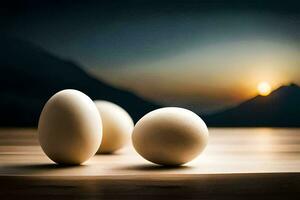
[{"x": 207, "y": 54}]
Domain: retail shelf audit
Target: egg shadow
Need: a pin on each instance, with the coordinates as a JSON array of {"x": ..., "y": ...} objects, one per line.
[
  {"x": 37, "y": 168},
  {"x": 50, "y": 166},
  {"x": 153, "y": 167},
  {"x": 117, "y": 153}
]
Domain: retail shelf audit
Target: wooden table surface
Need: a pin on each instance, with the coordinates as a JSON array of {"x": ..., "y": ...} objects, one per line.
[{"x": 263, "y": 163}]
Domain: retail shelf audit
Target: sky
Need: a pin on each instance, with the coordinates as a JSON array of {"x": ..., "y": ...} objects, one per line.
[{"x": 203, "y": 55}]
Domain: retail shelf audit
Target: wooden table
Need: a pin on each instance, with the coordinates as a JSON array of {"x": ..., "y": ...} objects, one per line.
[{"x": 251, "y": 163}]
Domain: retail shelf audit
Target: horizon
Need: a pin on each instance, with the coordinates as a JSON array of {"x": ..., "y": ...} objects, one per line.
[
  {"x": 199, "y": 55},
  {"x": 256, "y": 94}
]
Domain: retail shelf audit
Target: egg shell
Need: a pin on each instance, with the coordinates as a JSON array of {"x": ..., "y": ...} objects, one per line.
[
  {"x": 170, "y": 136},
  {"x": 117, "y": 126},
  {"x": 70, "y": 128}
]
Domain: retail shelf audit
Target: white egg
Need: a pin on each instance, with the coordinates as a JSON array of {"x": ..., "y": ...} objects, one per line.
[
  {"x": 170, "y": 136},
  {"x": 117, "y": 126},
  {"x": 69, "y": 130}
]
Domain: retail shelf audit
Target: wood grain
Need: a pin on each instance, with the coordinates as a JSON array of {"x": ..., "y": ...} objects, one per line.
[{"x": 237, "y": 164}]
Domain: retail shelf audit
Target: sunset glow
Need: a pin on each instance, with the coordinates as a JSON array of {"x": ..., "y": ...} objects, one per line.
[{"x": 264, "y": 88}]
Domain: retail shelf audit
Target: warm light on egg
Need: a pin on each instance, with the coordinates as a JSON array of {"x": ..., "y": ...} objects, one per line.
[{"x": 264, "y": 88}]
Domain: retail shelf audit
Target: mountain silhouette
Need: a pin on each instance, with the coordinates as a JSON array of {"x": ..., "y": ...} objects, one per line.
[
  {"x": 279, "y": 109},
  {"x": 29, "y": 76}
]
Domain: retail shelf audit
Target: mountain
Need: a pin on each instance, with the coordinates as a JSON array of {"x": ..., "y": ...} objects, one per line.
[
  {"x": 29, "y": 76},
  {"x": 279, "y": 109}
]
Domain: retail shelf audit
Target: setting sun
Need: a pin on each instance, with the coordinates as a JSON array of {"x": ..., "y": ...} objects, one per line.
[{"x": 264, "y": 88}]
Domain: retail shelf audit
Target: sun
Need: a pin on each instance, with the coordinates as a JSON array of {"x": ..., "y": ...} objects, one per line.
[{"x": 264, "y": 88}]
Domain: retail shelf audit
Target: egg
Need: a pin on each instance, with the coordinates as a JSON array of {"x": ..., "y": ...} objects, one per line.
[
  {"x": 170, "y": 136},
  {"x": 117, "y": 126},
  {"x": 70, "y": 128}
]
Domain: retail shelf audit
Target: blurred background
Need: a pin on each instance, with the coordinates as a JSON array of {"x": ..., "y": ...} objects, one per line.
[{"x": 235, "y": 63}]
